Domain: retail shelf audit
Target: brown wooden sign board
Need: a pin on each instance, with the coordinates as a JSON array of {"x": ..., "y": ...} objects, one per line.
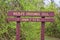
[
  {"x": 18, "y": 19},
  {"x": 31, "y": 19},
  {"x": 29, "y": 13}
]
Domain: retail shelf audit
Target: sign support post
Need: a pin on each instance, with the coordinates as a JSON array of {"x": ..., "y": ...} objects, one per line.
[
  {"x": 18, "y": 29},
  {"x": 42, "y": 29}
]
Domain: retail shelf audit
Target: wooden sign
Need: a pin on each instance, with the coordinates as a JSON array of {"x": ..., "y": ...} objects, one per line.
[
  {"x": 31, "y": 19},
  {"x": 29, "y": 13},
  {"x": 18, "y": 19}
]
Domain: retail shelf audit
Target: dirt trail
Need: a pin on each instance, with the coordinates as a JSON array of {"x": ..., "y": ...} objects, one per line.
[{"x": 51, "y": 38}]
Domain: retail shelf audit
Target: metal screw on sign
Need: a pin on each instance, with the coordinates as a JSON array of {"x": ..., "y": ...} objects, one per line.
[{"x": 18, "y": 19}]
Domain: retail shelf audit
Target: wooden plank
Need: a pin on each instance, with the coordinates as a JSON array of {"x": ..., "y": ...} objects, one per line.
[
  {"x": 31, "y": 19},
  {"x": 30, "y": 13}
]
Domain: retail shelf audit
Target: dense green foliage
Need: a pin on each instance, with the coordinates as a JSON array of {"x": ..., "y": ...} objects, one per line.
[{"x": 29, "y": 30}]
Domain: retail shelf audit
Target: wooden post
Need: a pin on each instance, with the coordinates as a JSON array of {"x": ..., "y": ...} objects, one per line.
[
  {"x": 18, "y": 29},
  {"x": 42, "y": 29}
]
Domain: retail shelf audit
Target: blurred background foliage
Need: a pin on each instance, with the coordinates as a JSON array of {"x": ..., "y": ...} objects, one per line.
[{"x": 29, "y": 30}]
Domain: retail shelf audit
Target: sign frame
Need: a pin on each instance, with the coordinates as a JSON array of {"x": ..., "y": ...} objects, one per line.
[{"x": 41, "y": 14}]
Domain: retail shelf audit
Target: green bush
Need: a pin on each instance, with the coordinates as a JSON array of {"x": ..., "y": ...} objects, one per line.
[{"x": 54, "y": 28}]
